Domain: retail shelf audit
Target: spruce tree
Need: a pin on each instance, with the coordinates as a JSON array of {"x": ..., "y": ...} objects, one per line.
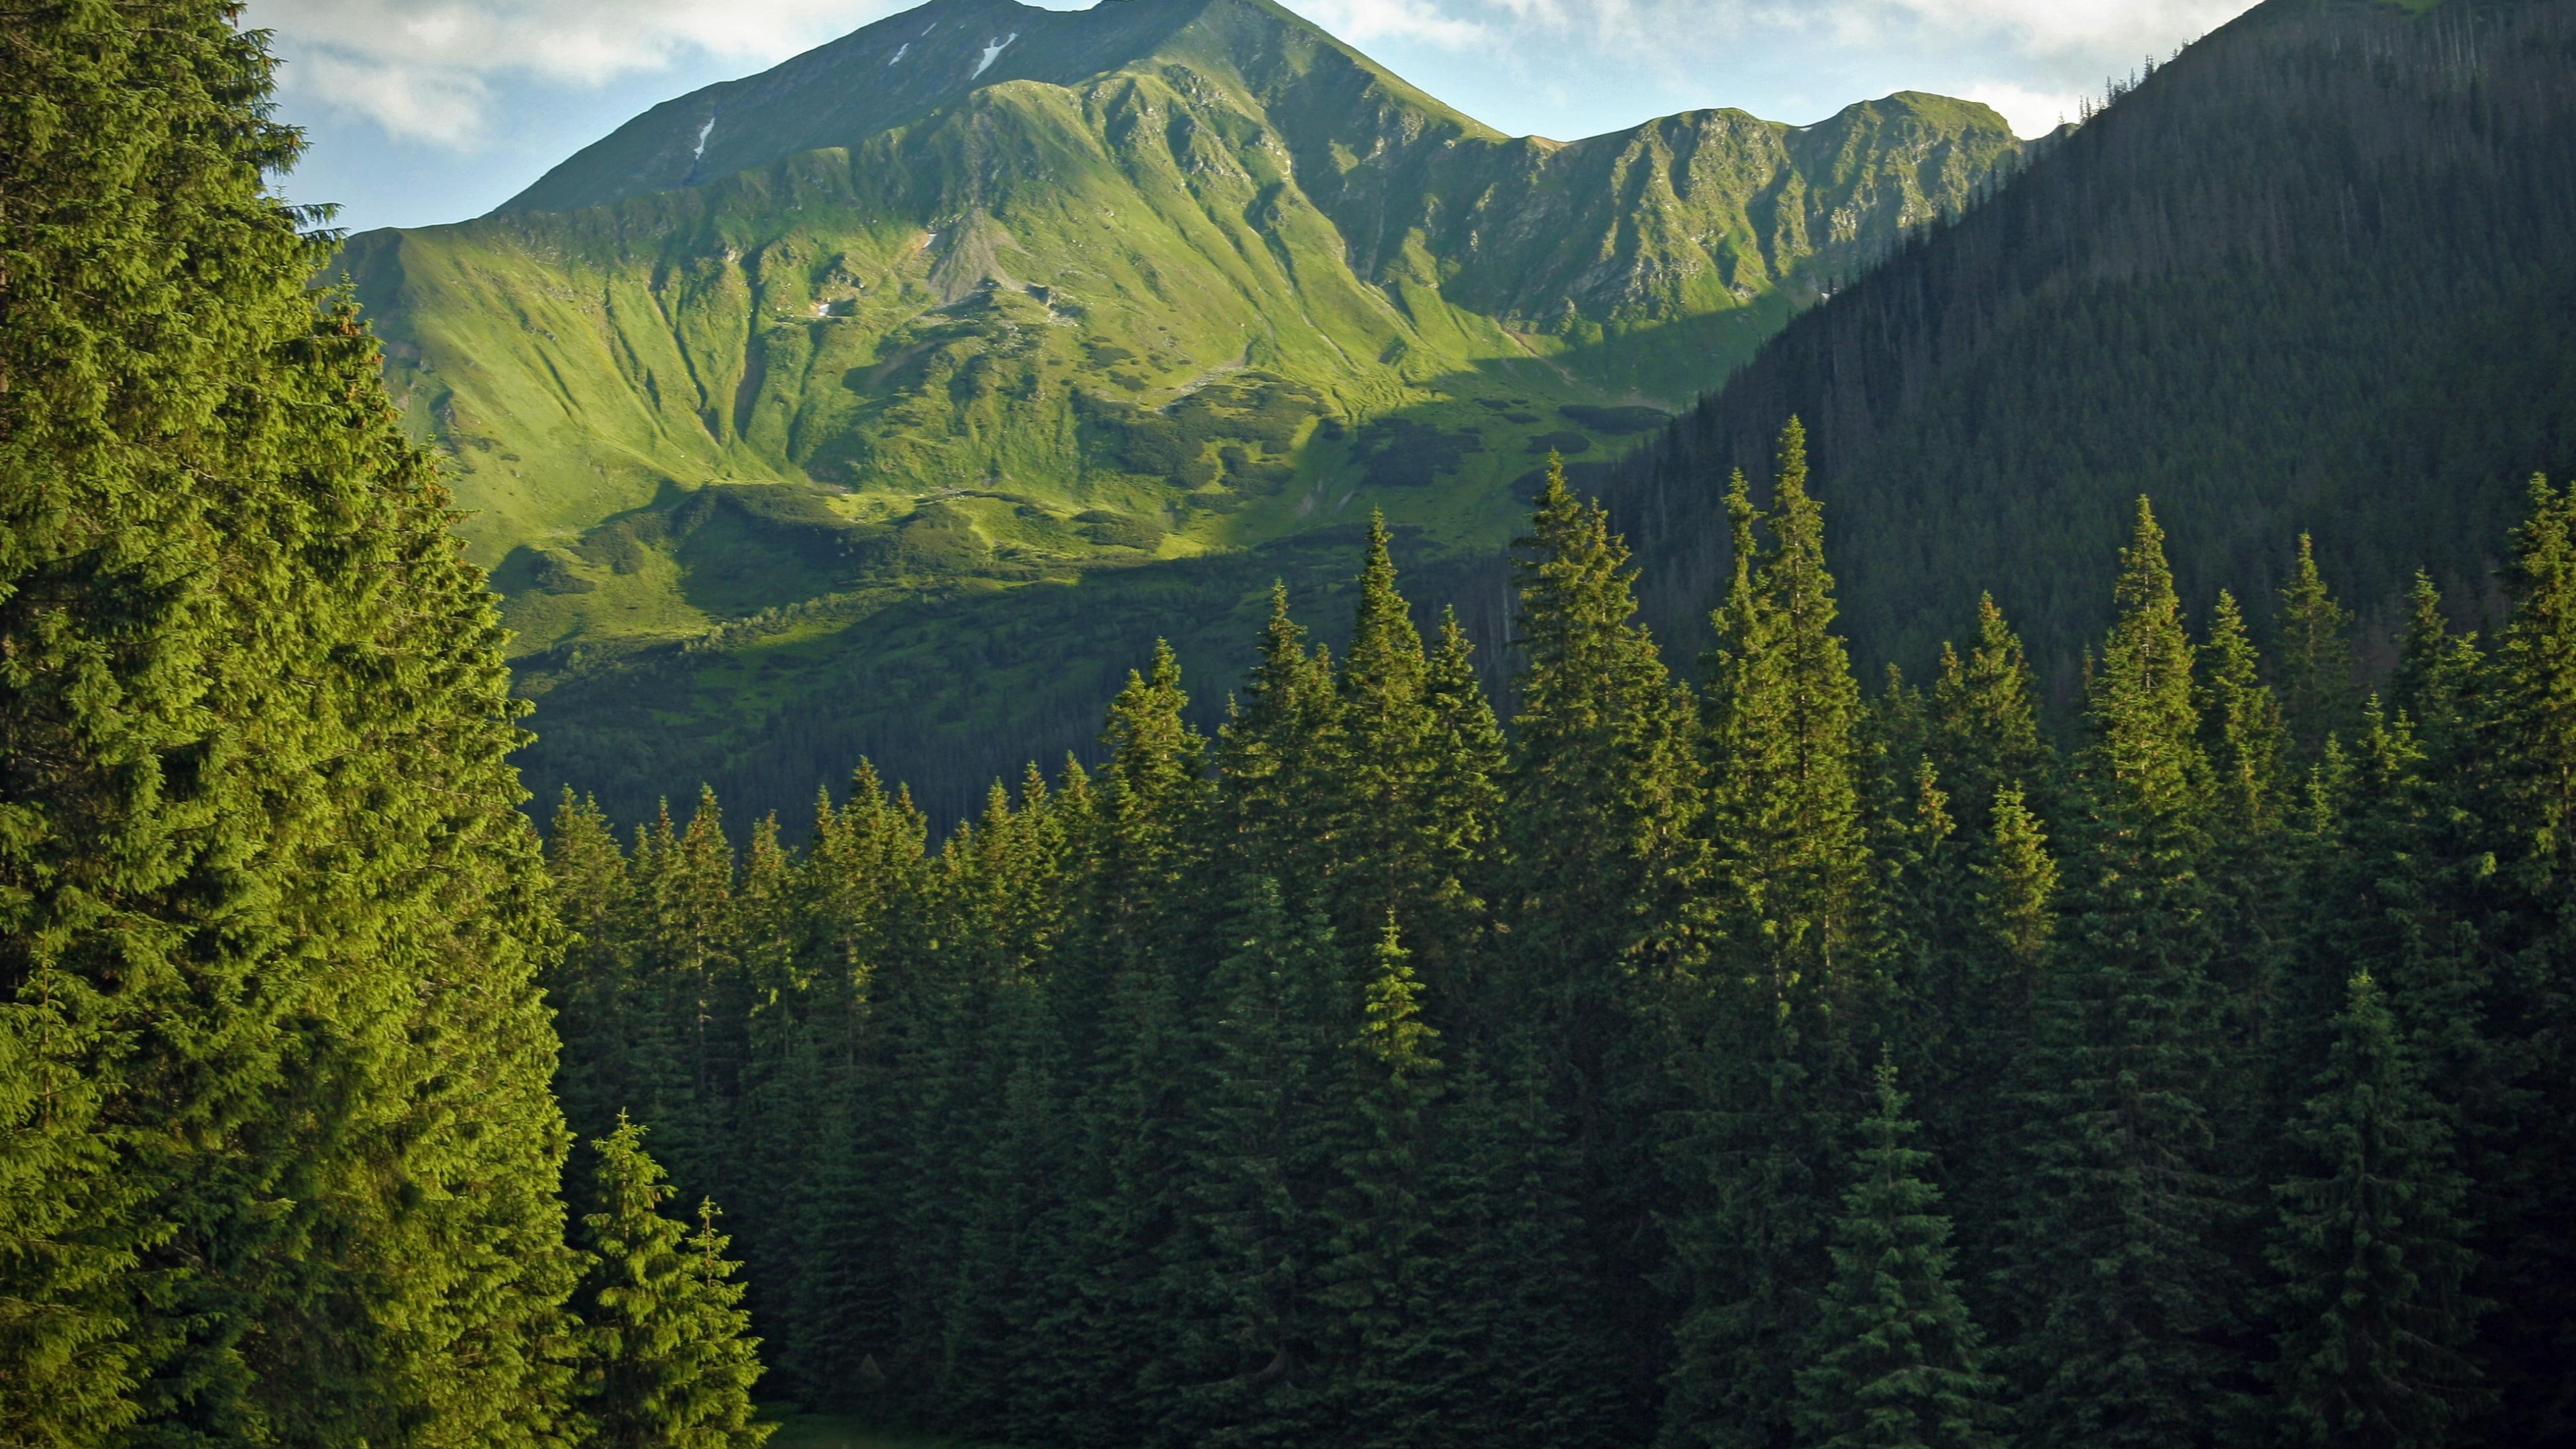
[
  {"x": 2120, "y": 1293},
  {"x": 1984, "y": 730},
  {"x": 1128, "y": 1031},
  {"x": 2368, "y": 1248},
  {"x": 1462, "y": 805},
  {"x": 2245, "y": 740},
  {"x": 270, "y": 921},
  {"x": 1595, "y": 855},
  {"x": 1396, "y": 851},
  {"x": 1260, "y": 1150},
  {"x": 667, "y": 1357},
  {"x": 1276, "y": 759},
  {"x": 1791, "y": 866},
  {"x": 2519, "y": 890},
  {"x": 1794, "y": 956},
  {"x": 1373, "y": 1276},
  {"x": 1896, "y": 1361},
  {"x": 2319, "y": 696}
]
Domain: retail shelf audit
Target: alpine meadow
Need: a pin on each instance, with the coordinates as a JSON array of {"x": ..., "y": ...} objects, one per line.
[{"x": 1086, "y": 729}]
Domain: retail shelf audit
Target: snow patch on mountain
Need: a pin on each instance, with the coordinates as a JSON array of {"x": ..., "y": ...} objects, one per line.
[{"x": 992, "y": 52}]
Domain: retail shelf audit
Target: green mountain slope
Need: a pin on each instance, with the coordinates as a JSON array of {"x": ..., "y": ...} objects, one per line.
[
  {"x": 987, "y": 298},
  {"x": 2316, "y": 275}
]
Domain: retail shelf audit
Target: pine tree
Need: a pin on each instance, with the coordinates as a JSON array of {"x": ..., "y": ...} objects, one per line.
[
  {"x": 1595, "y": 855},
  {"x": 1897, "y": 1360},
  {"x": 2119, "y": 1289},
  {"x": 2368, "y": 1246},
  {"x": 2319, "y": 696},
  {"x": 1984, "y": 723},
  {"x": 2517, "y": 885},
  {"x": 2245, "y": 740},
  {"x": 667, "y": 1357},
  {"x": 1276, "y": 759},
  {"x": 270, "y": 921},
  {"x": 1373, "y": 1276},
  {"x": 1795, "y": 954}
]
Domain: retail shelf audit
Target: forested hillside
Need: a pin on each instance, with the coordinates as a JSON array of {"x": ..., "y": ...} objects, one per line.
[
  {"x": 788, "y": 414},
  {"x": 1741, "y": 1063},
  {"x": 2317, "y": 274}
]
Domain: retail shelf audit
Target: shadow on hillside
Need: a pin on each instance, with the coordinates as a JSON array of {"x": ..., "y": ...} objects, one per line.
[{"x": 951, "y": 685}]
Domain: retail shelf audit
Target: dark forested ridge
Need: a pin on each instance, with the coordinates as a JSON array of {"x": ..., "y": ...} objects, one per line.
[
  {"x": 2317, "y": 274},
  {"x": 1747, "y": 1063}
]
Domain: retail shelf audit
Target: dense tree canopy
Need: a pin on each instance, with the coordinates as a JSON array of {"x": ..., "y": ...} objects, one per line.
[{"x": 1377, "y": 1074}]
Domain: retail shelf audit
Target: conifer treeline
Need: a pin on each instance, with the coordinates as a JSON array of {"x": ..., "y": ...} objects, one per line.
[
  {"x": 279, "y": 1157},
  {"x": 1744, "y": 1064}
]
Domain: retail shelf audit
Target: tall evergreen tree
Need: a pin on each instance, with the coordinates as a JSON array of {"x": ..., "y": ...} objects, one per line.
[
  {"x": 1985, "y": 732},
  {"x": 1791, "y": 866},
  {"x": 1462, "y": 805},
  {"x": 1595, "y": 853},
  {"x": 1276, "y": 760},
  {"x": 2121, "y": 1297},
  {"x": 277, "y": 1155},
  {"x": 1794, "y": 957},
  {"x": 2244, "y": 737},
  {"x": 1260, "y": 1151},
  {"x": 2368, "y": 1246},
  {"x": 1399, "y": 855},
  {"x": 2319, "y": 695},
  {"x": 1897, "y": 1361},
  {"x": 2520, "y": 892},
  {"x": 667, "y": 1356},
  {"x": 1373, "y": 1279}
]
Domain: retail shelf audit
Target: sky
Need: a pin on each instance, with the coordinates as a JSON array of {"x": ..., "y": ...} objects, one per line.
[{"x": 427, "y": 111}]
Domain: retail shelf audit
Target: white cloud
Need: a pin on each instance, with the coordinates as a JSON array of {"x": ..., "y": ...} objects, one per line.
[
  {"x": 426, "y": 70},
  {"x": 1362, "y": 21},
  {"x": 2134, "y": 26},
  {"x": 1673, "y": 29},
  {"x": 2032, "y": 113},
  {"x": 434, "y": 70}
]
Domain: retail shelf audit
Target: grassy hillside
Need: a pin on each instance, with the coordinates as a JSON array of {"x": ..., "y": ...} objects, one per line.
[
  {"x": 2316, "y": 275},
  {"x": 1161, "y": 282}
]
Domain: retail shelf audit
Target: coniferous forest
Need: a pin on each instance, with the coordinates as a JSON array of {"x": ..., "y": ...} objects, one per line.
[
  {"x": 1746, "y": 1062},
  {"x": 1727, "y": 1055}
]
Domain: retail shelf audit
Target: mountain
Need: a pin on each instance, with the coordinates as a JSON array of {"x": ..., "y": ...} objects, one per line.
[
  {"x": 2316, "y": 275},
  {"x": 894, "y": 400}
]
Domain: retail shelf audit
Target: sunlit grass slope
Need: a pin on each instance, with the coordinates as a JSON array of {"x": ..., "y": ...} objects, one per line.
[{"x": 1161, "y": 280}]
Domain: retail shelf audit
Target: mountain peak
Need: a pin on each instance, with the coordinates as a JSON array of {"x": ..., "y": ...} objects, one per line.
[{"x": 905, "y": 66}]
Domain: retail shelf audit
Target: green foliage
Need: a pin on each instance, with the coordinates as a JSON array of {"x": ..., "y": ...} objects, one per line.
[
  {"x": 277, "y": 1159},
  {"x": 1369, "y": 1076},
  {"x": 2000, "y": 392},
  {"x": 1897, "y": 1359},
  {"x": 2368, "y": 1246},
  {"x": 666, "y": 1354}
]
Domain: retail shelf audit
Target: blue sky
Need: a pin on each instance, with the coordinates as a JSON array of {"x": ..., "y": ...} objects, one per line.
[{"x": 424, "y": 111}]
